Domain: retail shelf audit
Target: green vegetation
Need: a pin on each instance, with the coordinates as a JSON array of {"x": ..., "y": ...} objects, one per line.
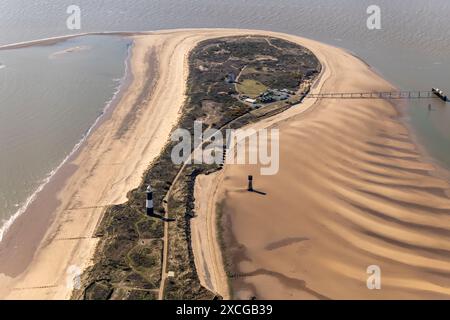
[
  {"x": 125, "y": 232},
  {"x": 146, "y": 259},
  {"x": 127, "y": 263},
  {"x": 251, "y": 88}
]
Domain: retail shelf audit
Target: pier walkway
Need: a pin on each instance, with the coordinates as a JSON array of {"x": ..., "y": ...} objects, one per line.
[{"x": 375, "y": 95}]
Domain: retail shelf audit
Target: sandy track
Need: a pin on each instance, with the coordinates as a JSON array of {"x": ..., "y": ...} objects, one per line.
[
  {"x": 207, "y": 251},
  {"x": 352, "y": 191}
]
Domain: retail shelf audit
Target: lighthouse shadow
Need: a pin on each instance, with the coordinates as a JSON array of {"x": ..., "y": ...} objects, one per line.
[
  {"x": 262, "y": 193},
  {"x": 161, "y": 217},
  {"x": 241, "y": 190}
]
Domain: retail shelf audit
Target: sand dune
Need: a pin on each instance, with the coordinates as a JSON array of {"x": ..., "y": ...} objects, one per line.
[{"x": 353, "y": 190}]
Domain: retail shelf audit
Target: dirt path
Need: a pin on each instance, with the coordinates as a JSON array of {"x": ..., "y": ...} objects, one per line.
[{"x": 208, "y": 254}]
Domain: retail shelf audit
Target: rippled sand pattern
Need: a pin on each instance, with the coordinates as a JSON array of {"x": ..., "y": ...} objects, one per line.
[{"x": 354, "y": 188}]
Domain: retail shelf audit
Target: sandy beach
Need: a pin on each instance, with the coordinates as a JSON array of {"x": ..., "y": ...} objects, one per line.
[
  {"x": 55, "y": 233},
  {"x": 352, "y": 191}
]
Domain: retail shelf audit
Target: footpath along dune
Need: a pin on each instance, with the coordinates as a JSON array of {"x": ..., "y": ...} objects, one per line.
[{"x": 353, "y": 191}]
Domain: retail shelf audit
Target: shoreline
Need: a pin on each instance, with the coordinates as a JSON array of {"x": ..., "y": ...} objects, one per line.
[
  {"x": 441, "y": 169},
  {"x": 108, "y": 108},
  {"x": 405, "y": 118},
  {"x": 55, "y": 181},
  {"x": 55, "y": 290}
]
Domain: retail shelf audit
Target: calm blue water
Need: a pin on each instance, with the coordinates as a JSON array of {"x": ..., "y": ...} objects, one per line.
[
  {"x": 412, "y": 51},
  {"x": 49, "y": 99}
]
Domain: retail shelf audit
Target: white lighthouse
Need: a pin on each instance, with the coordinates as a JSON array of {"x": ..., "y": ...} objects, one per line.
[{"x": 149, "y": 201}]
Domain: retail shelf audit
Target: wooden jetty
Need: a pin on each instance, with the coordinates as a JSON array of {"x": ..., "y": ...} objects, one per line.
[{"x": 378, "y": 95}]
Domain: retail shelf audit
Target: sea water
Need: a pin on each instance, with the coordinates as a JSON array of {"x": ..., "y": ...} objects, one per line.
[{"x": 50, "y": 96}]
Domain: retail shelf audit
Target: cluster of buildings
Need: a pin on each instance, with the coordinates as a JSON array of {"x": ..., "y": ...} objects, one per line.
[
  {"x": 272, "y": 95},
  {"x": 269, "y": 96}
]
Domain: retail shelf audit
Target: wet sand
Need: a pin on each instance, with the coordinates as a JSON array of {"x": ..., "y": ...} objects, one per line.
[{"x": 353, "y": 191}]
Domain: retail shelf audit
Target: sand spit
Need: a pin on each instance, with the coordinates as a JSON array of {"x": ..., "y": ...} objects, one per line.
[
  {"x": 53, "y": 40},
  {"x": 353, "y": 191},
  {"x": 69, "y": 50}
]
